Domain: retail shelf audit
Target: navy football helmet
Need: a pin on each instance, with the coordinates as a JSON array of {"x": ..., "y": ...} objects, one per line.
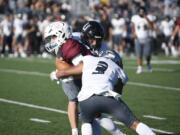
[{"x": 92, "y": 30}]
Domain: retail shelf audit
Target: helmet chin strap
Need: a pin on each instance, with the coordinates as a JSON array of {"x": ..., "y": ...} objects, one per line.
[{"x": 56, "y": 50}]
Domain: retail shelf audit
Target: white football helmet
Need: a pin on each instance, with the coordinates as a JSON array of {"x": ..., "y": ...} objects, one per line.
[{"x": 59, "y": 29}]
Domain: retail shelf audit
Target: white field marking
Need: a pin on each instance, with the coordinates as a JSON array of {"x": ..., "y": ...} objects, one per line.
[
  {"x": 39, "y": 120},
  {"x": 119, "y": 123},
  {"x": 165, "y": 62},
  {"x": 161, "y": 131},
  {"x": 32, "y": 106},
  {"x": 153, "y": 86},
  {"x": 154, "y": 69},
  {"x": 154, "y": 117},
  {"x": 156, "y": 61},
  {"x": 23, "y": 72},
  {"x": 129, "y": 83},
  {"x": 61, "y": 111}
]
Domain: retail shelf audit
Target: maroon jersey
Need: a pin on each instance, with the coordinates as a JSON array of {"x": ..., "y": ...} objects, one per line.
[
  {"x": 71, "y": 49},
  {"x": 178, "y": 21}
]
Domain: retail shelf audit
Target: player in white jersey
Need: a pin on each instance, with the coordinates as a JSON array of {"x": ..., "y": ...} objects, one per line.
[
  {"x": 70, "y": 51},
  {"x": 119, "y": 33},
  {"x": 18, "y": 39},
  {"x": 166, "y": 26},
  {"x": 140, "y": 33},
  {"x": 6, "y": 27},
  {"x": 102, "y": 83}
]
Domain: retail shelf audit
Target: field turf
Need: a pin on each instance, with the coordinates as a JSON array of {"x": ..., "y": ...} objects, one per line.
[{"x": 32, "y": 104}]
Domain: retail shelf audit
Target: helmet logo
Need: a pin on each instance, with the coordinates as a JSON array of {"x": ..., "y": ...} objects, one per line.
[{"x": 86, "y": 26}]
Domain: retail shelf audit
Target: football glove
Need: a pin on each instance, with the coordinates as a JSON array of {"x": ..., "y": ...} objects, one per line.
[{"x": 53, "y": 76}]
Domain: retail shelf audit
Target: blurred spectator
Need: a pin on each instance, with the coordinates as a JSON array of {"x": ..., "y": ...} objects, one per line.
[
  {"x": 78, "y": 23},
  {"x": 106, "y": 23},
  {"x": 31, "y": 38},
  {"x": 11, "y": 6},
  {"x": 7, "y": 31},
  {"x": 99, "y": 10},
  {"x": 3, "y": 4}
]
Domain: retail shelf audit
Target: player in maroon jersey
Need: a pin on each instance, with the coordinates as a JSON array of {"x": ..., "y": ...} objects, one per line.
[{"x": 58, "y": 38}]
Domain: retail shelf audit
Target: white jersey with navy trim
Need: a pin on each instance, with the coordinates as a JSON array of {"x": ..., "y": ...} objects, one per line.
[
  {"x": 6, "y": 27},
  {"x": 141, "y": 28},
  {"x": 99, "y": 76}
]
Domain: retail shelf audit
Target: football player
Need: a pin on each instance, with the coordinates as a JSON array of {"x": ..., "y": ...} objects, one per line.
[
  {"x": 166, "y": 26},
  {"x": 58, "y": 38},
  {"x": 140, "y": 32},
  {"x": 102, "y": 83}
]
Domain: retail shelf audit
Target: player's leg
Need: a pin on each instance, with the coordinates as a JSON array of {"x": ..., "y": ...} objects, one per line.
[
  {"x": 147, "y": 52},
  {"x": 71, "y": 92},
  {"x": 86, "y": 129},
  {"x": 141, "y": 128},
  {"x": 139, "y": 53},
  {"x": 89, "y": 108},
  {"x": 119, "y": 110},
  {"x": 72, "y": 114},
  {"x": 4, "y": 42},
  {"x": 108, "y": 125},
  {"x": 9, "y": 42}
]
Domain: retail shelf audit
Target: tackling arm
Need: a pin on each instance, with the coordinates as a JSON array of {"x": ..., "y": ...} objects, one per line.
[
  {"x": 76, "y": 70},
  {"x": 119, "y": 87}
]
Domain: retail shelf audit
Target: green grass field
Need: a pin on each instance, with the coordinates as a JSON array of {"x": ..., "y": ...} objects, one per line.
[{"x": 27, "y": 93}]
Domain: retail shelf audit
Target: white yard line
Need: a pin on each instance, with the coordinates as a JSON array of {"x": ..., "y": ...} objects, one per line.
[
  {"x": 153, "y": 86},
  {"x": 154, "y": 69},
  {"x": 161, "y": 131},
  {"x": 154, "y": 117},
  {"x": 129, "y": 83},
  {"x": 39, "y": 120},
  {"x": 32, "y": 106},
  {"x": 61, "y": 111},
  {"x": 23, "y": 72}
]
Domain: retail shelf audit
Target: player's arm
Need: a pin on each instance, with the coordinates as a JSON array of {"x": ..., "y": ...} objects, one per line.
[
  {"x": 122, "y": 80},
  {"x": 60, "y": 64},
  {"x": 74, "y": 70},
  {"x": 119, "y": 87},
  {"x": 176, "y": 29},
  {"x": 149, "y": 23},
  {"x": 133, "y": 31}
]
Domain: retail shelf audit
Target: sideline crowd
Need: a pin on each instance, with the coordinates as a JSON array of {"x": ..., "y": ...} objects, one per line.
[{"x": 22, "y": 24}]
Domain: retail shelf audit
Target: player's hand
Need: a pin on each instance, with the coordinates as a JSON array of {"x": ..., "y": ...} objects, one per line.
[
  {"x": 67, "y": 79},
  {"x": 53, "y": 76},
  {"x": 172, "y": 39}
]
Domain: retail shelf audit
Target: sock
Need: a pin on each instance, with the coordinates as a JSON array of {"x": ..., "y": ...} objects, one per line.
[
  {"x": 75, "y": 131},
  {"x": 143, "y": 129},
  {"x": 109, "y": 125},
  {"x": 140, "y": 67},
  {"x": 86, "y": 129}
]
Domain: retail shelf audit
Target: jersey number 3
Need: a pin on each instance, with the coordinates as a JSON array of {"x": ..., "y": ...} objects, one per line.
[{"x": 101, "y": 68}]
